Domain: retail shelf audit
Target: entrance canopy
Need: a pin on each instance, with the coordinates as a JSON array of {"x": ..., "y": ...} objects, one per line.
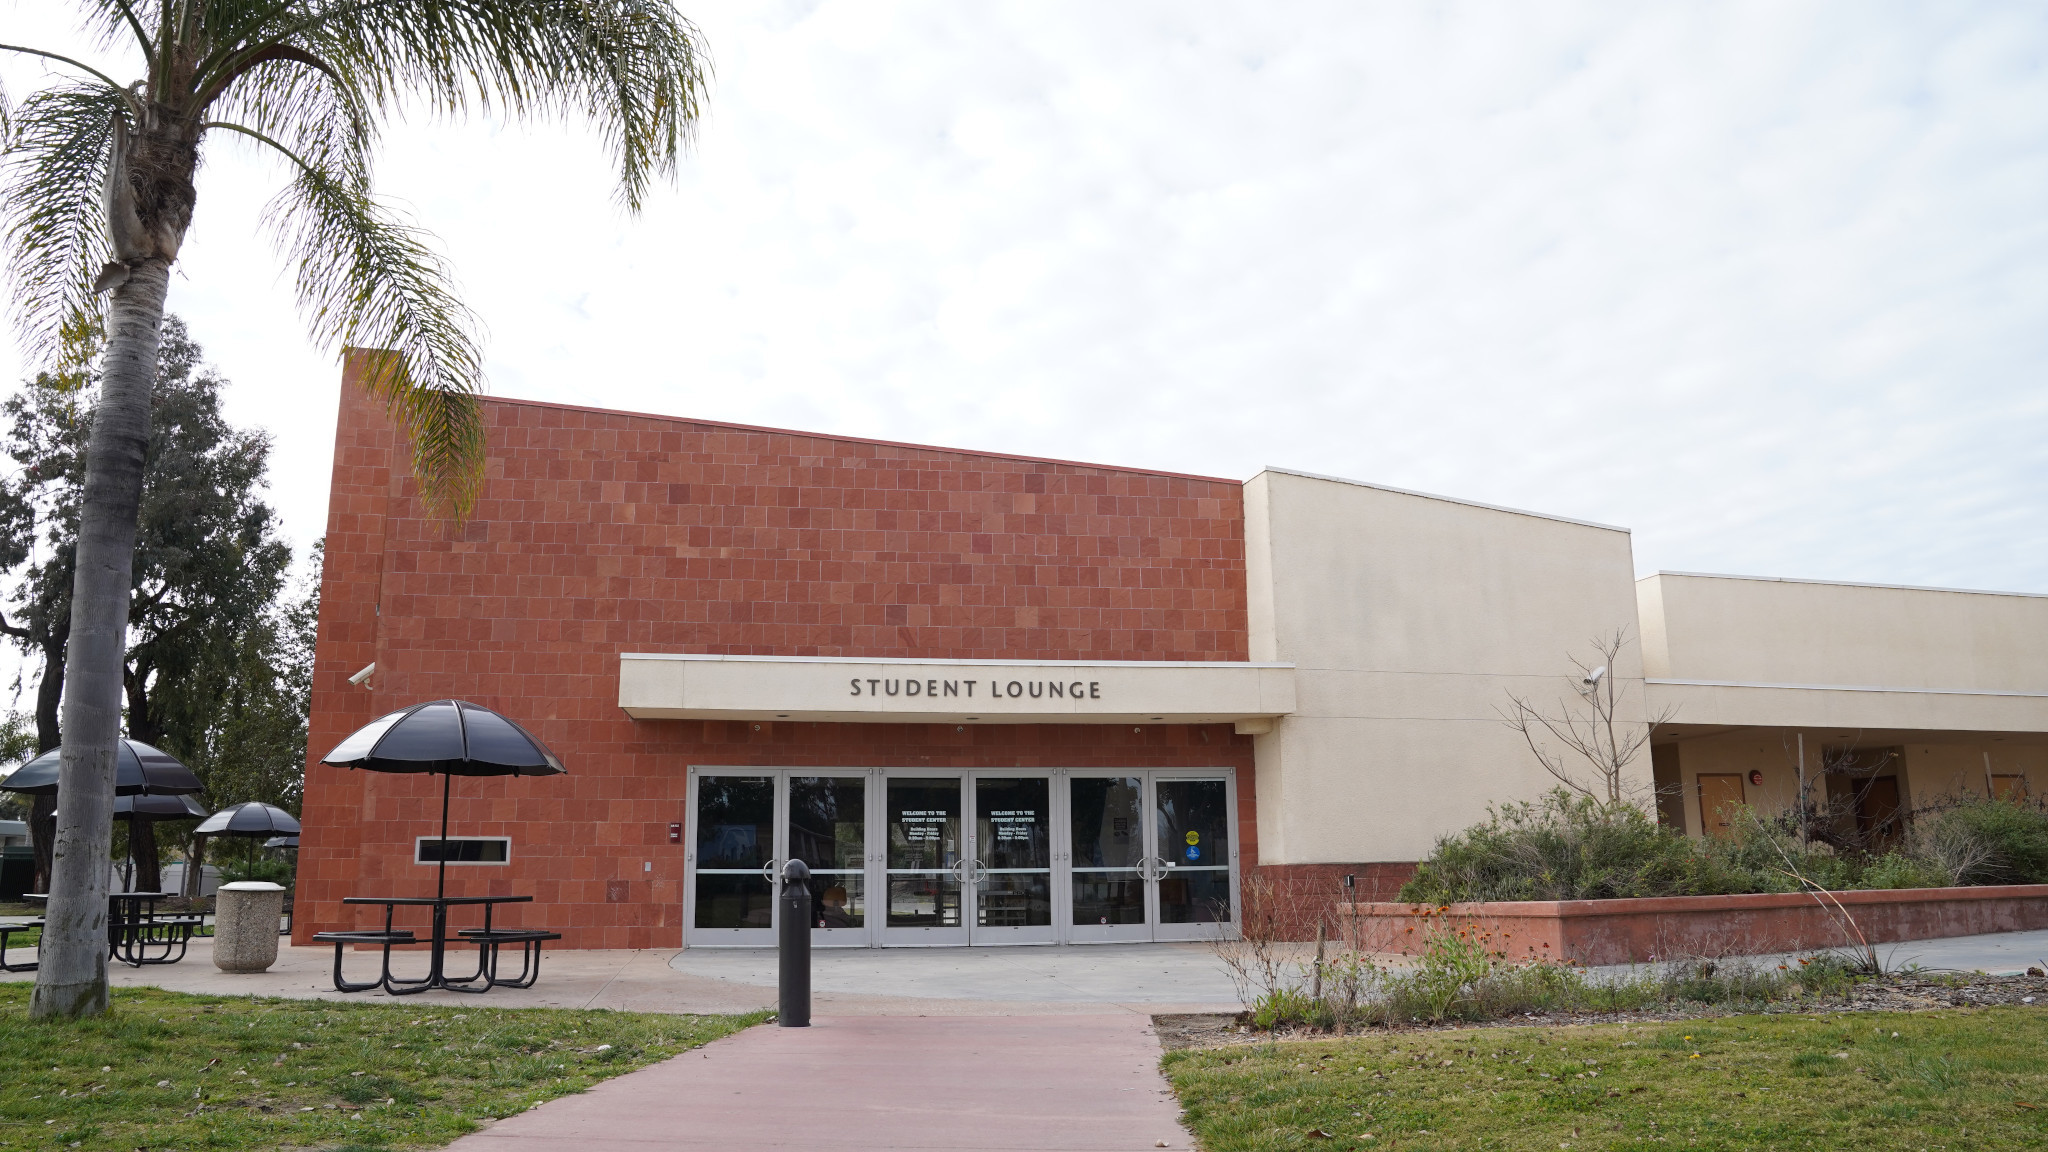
[{"x": 817, "y": 688}]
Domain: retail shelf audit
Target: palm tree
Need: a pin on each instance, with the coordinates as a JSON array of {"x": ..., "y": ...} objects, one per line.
[{"x": 95, "y": 199}]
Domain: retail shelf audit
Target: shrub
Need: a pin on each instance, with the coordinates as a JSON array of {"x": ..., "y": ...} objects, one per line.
[
  {"x": 1281, "y": 1006},
  {"x": 257, "y": 868},
  {"x": 1899, "y": 870},
  {"x": 2010, "y": 840},
  {"x": 1452, "y": 964},
  {"x": 1564, "y": 847},
  {"x": 1570, "y": 847},
  {"x": 1458, "y": 978}
]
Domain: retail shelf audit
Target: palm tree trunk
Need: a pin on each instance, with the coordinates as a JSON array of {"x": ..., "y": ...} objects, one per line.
[
  {"x": 42, "y": 816},
  {"x": 72, "y": 979}
]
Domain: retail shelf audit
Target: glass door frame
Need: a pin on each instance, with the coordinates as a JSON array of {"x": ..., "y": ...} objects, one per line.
[
  {"x": 916, "y": 937},
  {"x": 779, "y": 779},
  {"x": 693, "y": 936},
  {"x": 875, "y": 931},
  {"x": 971, "y": 870},
  {"x": 977, "y": 854},
  {"x": 1063, "y": 906},
  {"x": 1199, "y": 929},
  {"x": 1153, "y": 866}
]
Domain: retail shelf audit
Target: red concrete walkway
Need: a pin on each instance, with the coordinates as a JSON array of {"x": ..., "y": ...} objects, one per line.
[{"x": 1008, "y": 1083}]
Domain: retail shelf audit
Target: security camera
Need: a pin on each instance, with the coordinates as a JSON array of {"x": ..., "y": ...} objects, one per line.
[{"x": 1594, "y": 676}]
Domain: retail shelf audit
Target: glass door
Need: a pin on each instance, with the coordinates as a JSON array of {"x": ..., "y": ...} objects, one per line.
[
  {"x": 731, "y": 857},
  {"x": 1010, "y": 860},
  {"x": 926, "y": 866},
  {"x": 745, "y": 824},
  {"x": 1148, "y": 857},
  {"x": 916, "y": 857},
  {"x": 1194, "y": 862},
  {"x": 827, "y": 829},
  {"x": 1107, "y": 859}
]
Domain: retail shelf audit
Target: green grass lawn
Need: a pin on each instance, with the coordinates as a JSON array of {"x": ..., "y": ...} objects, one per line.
[
  {"x": 165, "y": 1070},
  {"x": 1948, "y": 1080}
]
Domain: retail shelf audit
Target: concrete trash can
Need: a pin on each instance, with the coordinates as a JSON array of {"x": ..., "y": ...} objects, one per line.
[{"x": 245, "y": 919}]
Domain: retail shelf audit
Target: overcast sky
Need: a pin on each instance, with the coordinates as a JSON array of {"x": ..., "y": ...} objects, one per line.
[{"x": 1764, "y": 282}]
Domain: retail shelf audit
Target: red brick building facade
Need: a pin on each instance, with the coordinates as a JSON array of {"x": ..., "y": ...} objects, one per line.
[{"x": 600, "y": 533}]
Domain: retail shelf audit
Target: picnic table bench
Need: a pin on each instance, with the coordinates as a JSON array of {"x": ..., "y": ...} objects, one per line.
[{"x": 489, "y": 940}]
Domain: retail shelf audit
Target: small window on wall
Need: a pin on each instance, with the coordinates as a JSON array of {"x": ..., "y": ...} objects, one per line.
[{"x": 463, "y": 850}]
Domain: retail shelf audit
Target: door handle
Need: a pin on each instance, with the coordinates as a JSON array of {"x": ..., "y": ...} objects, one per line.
[{"x": 768, "y": 872}]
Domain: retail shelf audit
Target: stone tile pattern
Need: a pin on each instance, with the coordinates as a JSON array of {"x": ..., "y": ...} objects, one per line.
[{"x": 602, "y": 532}]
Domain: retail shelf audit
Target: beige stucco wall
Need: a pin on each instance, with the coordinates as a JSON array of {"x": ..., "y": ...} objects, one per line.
[
  {"x": 1749, "y": 630},
  {"x": 1723, "y": 650},
  {"x": 1409, "y": 620}
]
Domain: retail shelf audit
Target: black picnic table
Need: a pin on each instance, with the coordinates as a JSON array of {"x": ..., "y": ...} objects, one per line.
[
  {"x": 136, "y": 934},
  {"x": 488, "y": 940}
]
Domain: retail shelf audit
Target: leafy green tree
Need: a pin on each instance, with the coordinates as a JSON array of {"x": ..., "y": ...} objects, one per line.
[
  {"x": 208, "y": 563},
  {"x": 249, "y": 712},
  {"x": 97, "y": 196},
  {"x": 17, "y": 744}
]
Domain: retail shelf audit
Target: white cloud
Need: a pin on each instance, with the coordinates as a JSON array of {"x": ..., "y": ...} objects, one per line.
[{"x": 1764, "y": 282}]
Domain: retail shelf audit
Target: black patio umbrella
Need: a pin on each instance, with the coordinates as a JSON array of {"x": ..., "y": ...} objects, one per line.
[
  {"x": 179, "y": 807},
  {"x": 132, "y": 808},
  {"x": 250, "y": 818},
  {"x": 282, "y": 842},
  {"x": 139, "y": 770},
  {"x": 451, "y": 737}
]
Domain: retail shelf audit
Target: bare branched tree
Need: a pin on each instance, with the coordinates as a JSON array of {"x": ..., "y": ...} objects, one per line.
[{"x": 1587, "y": 745}]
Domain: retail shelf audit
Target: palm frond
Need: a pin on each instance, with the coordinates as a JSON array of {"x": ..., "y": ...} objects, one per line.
[
  {"x": 114, "y": 22},
  {"x": 633, "y": 69},
  {"x": 367, "y": 279},
  {"x": 52, "y": 212},
  {"x": 321, "y": 120}
]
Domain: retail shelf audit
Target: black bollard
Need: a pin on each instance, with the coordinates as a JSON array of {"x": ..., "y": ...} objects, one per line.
[{"x": 793, "y": 980}]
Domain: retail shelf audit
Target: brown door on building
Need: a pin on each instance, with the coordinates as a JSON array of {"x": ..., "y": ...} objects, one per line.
[
  {"x": 1720, "y": 795},
  {"x": 1877, "y": 812}
]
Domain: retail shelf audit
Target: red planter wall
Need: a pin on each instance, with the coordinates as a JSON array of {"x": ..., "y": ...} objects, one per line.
[{"x": 1623, "y": 931}]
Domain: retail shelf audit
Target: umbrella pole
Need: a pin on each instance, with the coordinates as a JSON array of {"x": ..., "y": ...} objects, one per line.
[{"x": 441, "y": 885}]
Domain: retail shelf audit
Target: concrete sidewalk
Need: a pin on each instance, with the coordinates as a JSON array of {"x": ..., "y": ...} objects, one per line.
[
  {"x": 1152, "y": 977},
  {"x": 1140, "y": 979},
  {"x": 1008, "y": 1083}
]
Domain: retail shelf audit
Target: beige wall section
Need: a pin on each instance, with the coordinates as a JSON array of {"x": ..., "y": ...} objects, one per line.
[
  {"x": 1741, "y": 651},
  {"x": 1755, "y": 631},
  {"x": 1409, "y": 619}
]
